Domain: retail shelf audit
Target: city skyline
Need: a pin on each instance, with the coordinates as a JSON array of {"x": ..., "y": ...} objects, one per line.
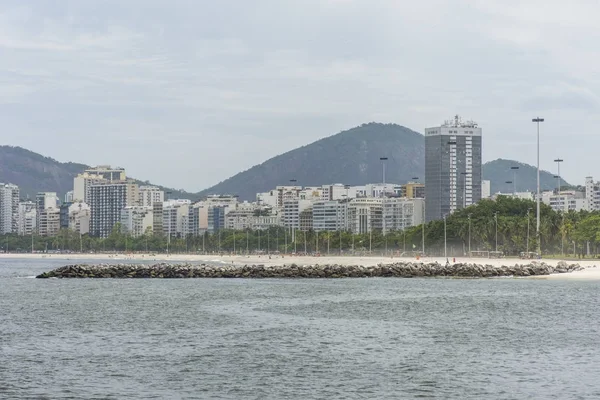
[{"x": 169, "y": 81}]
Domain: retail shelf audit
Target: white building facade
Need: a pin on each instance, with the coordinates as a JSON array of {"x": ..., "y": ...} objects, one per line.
[
  {"x": 136, "y": 220},
  {"x": 9, "y": 208},
  {"x": 150, "y": 195},
  {"x": 27, "y": 218}
]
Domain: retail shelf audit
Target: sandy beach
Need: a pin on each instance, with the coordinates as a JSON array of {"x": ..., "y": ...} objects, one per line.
[{"x": 591, "y": 271}]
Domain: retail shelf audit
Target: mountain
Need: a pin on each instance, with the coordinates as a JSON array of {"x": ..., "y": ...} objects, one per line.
[
  {"x": 352, "y": 157},
  {"x": 499, "y": 172},
  {"x": 34, "y": 173}
]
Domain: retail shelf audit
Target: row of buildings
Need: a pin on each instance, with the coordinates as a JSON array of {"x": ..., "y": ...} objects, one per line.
[
  {"x": 104, "y": 199},
  {"x": 588, "y": 198}
]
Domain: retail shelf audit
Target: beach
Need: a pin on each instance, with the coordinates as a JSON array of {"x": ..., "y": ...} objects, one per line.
[{"x": 591, "y": 271}]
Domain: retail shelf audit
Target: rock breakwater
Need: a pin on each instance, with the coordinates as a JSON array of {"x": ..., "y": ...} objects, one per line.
[{"x": 397, "y": 269}]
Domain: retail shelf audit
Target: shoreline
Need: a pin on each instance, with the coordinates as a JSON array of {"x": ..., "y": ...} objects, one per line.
[{"x": 591, "y": 269}]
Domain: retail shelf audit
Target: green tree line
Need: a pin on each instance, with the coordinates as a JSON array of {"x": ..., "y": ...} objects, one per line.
[{"x": 472, "y": 228}]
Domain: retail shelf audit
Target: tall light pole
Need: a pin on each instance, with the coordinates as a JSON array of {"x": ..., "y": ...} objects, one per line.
[
  {"x": 496, "y": 218},
  {"x": 469, "y": 216},
  {"x": 558, "y": 161},
  {"x": 416, "y": 179},
  {"x": 537, "y": 120},
  {"x": 383, "y": 160},
  {"x": 293, "y": 182},
  {"x": 169, "y": 218},
  {"x": 527, "y": 242},
  {"x": 509, "y": 183},
  {"x": 445, "y": 240},
  {"x": 562, "y": 235},
  {"x": 305, "y": 250},
  {"x": 514, "y": 170},
  {"x": 383, "y": 194}
]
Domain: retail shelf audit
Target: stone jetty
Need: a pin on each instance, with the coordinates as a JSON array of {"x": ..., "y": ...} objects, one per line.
[{"x": 397, "y": 269}]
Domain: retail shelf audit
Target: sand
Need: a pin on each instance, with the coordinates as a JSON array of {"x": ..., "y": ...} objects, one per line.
[{"x": 592, "y": 271}]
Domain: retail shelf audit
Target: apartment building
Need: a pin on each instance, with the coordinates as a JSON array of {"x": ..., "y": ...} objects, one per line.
[
  {"x": 453, "y": 169},
  {"x": 400, "y": 213},
  {"x": 148, "y": 195},
  {"x": 106, "y": 202},
  {"x": 27, "y": 218},
  {"x": 9, "y": 208},
  {"x": 329, "y": 215},
  {"x": 365, "y": 214},
  {"x": 49, "y": 222},
  {"x": 136, "y": 220}
]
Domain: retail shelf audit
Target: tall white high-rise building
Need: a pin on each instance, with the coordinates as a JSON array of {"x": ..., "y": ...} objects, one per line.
[
  {"x": 9, "y": 208},
  {"x": 106, "y": 202},
  {"x": 592, "y": 194},
  {"x": 453, "y": 169}
]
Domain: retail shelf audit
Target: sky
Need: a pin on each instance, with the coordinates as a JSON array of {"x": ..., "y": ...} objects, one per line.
[{"x": 187, "y": 93}]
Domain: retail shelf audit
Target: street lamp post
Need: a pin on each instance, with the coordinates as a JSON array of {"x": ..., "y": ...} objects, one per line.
[
  {"x": 496, "y": 218},
  {"x": 445, "y": 240},
  {"x": 509, "y": 183},
  {"x": 416, "y": 179},
  {"x": 537, "y": 120},
  {"x": 558, "y": 161},
  {"x": 562, "y": 236},
  {"x": 169, "y": 234},
  {"x": 305, "y": 250},
  {"x": 527, "y": 241},
  {"x": 514, "y": 170},
  {"x": 469, "y": 216},
  {"x": 293, "y": 182},
  {"x": 383, "y": 194},
  {"x": 383, "y": 160}
]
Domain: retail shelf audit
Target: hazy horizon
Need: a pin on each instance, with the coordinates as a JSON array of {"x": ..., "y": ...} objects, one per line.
[{"x": 201, "y": 86}]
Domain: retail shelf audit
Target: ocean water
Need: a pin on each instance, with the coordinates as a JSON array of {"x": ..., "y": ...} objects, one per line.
[{"x": 296, "y": 339}]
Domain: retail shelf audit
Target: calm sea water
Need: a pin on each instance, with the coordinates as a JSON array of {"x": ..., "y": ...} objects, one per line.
[{"x": 296, "y": 339}]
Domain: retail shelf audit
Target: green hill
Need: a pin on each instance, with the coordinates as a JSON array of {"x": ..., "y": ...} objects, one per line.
[
  {"x": 499, "y": 172},
  {"x": 34, "y": 173},
  {"x": 352, "y": 157}
]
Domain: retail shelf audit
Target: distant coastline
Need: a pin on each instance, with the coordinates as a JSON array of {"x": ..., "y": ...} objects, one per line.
[{"x": 591, "y": 271}]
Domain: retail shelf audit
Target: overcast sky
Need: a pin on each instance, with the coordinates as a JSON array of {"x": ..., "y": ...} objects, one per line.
[{"x": 188, "y": 93}]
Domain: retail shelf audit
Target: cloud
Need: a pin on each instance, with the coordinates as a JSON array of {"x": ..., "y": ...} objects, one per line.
[{"x": 193, "y": 82}]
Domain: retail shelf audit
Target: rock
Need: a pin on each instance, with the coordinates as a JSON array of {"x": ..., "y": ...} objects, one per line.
[{"x": 397, "y": 269}]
